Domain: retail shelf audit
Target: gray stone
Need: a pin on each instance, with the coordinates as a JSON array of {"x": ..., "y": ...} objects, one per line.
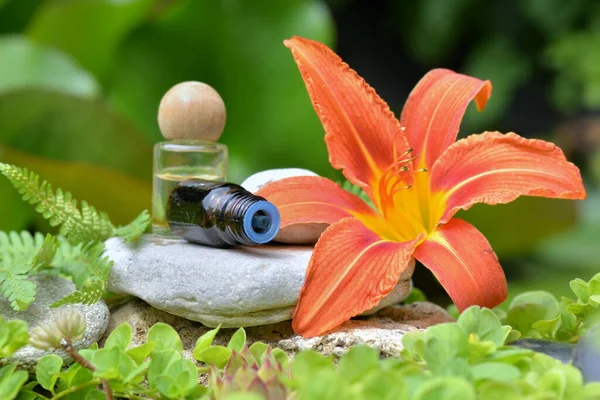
[
  {"x": 586, "y": 356},
  {"x": 49, "y": 290},
  {"x": 307, "y": 233},
  {"x": 380, "y": 331},
  {"x": 561, "y": 351},
  {"x": 243, "y": 286},
  {"x": 259, "y": 179}
]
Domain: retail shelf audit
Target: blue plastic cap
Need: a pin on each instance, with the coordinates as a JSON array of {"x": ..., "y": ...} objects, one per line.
[{"x": 261, "y": 222}]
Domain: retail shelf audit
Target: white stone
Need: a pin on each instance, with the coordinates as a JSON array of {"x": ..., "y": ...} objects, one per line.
[
  {"x": 258, "y": 180},
  {"x": 242, "y": 286},
  {"x": 49, "y": 290},
  {"x": 293, "y": 234}
]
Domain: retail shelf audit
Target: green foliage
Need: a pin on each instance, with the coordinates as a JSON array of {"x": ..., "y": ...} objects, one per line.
[
  {"x": 468, "y": 359},
  {"x": 80, "y": 225},
  {"x": 539, "y": 314},
  {"x": 11, "y": 381},
  {"x": 76, "y": 254},
  {"x": 13, "y": 336}
]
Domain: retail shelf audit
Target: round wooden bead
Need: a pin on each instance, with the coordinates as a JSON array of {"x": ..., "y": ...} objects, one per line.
[{"x": 192, "y": 110}]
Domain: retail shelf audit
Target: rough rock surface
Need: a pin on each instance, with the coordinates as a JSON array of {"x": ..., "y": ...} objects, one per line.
[
  {"x": 49, "y": 290},
  {"x": 243, "y": 286},
  {"x": 379, "y": 330}
]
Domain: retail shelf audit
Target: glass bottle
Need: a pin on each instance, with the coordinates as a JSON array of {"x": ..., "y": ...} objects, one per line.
[
  {"x": 176, "y": 161},
  {"x": 220, "y": 214},
  {"x": 191, "y": 117}
]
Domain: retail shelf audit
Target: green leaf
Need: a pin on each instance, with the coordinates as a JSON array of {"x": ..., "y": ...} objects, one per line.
[
  {"x": 47, "y": 370},
  {"x": 594, "y": 284},
  {"x": 160, "y": 361},
  {"x": 135, "y": 228},
  {"x": 308, "y": 364},
  {"x": 33, "y": 65},
  {"x": 238, "y": 340},
  {"x": 496, "y": 371},
  {"x": 13, "y": 336},
  {"x": 414, "y": 296},
  {"x": 106, "y": 362},
  {"x": 528, "y": 309},
  {"x": 388, "y": 385},
  {"x": 165, "y": 337},
  {"x": 11, "y": 381},
  {"x": 484, "y": 323},
  {"x": 46, "y": 253},
  {"x": 451, "y": 333},
  {"x": 357, "y": 362},
  {"x": 141, "y": 352},
  {"x": 581, "y": 290},
  {"x": 120, "y": 337},
  {"x": 258, "y": 349},
  {"x": 205, "y": 341},
  {"x": 413, "y": 344},
  {"x": 497, "y": 391},
  {"x": 215, "y": 355},
  {"x": 185, "y": 374},
  {"x": 15, "y": 286},
  {"x": 167, "y": 386},
  {"x": 73, "y": 26},
  {"x": 447, "y": 388}
]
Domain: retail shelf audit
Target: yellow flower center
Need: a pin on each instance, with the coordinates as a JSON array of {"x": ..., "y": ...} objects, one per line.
[{"x": 406, "y": 205}]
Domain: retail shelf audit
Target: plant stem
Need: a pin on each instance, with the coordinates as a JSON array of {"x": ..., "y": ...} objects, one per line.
[
  {"x": 68, "y": 346},
  {"x": 73, "y": 389}
]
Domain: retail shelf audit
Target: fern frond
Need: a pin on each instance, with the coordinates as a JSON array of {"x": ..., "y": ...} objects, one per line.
[
  {"x": 82, "y": 224},
  {"x": 15, "y": 286},
  {"x": 90, "y": 295},
  {"x": 21, "y": 246},
  {"x": 45, "y": 255},
  {"x": 136, "y": 228},
  {"x": 58, "y": 207}
]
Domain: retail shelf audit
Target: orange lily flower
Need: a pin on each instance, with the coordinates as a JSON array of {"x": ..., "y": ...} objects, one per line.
[{"x": 417, "y": 178}]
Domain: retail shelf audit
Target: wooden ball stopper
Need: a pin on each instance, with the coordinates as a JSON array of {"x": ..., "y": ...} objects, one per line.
[{"x": 192, "y": 110}]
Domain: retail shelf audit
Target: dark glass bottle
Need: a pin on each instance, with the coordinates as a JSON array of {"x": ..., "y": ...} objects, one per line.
[{"x": 220, "y": 214}]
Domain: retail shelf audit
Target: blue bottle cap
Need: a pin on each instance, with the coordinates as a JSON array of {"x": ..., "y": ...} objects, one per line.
[{"x": 261, "y": 222}]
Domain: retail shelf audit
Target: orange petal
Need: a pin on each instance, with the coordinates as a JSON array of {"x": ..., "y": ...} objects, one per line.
[
  {"x": 434, "y": 110},
  {"x": 494, "y": 168},
  {"x": 462, "y": 260},
  {"x": 306, "y": 199},
  {"x": 350, "y": 271},
  {"x": 361, "y": 131}
]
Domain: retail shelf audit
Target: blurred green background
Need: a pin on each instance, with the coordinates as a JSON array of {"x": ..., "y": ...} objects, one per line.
[{"x": 80, "y": 83}]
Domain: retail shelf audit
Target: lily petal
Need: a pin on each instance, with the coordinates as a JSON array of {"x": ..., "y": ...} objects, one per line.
[
  {"x": 308, "y": 199},
  {"x": 350, "y": 271},
  {"x": 434, "y": 110},
  {"x": 463, "y": 261},
  {"x": 362, "y": 133},
  {"x": 494, "y": 168}
]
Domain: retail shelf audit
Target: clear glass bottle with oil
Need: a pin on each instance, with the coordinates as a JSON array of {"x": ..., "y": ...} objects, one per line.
[{"x": 179, "y": 160}]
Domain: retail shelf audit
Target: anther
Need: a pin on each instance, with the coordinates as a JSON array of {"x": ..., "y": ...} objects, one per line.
[
  {"x": 404, "y": 168},
  {"x": 422, "y": 170}
]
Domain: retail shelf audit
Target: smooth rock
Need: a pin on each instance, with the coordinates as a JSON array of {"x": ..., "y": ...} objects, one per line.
[
  {"x": 260, "y": 179},
  {"x": 561, "y": 351},
  {"x": 50, "y": 289},
  {"x": 379, "y": 330},
  {"x": 307, "y": 233},
  {"x": 586, "y": 356},
  {"x": 243, "y": 286}
]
